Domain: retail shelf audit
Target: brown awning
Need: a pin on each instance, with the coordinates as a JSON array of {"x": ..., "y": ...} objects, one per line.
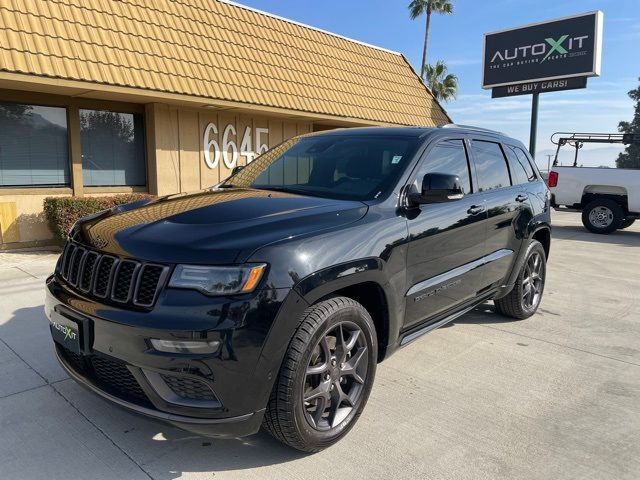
[{"x": 212, "y": 50}]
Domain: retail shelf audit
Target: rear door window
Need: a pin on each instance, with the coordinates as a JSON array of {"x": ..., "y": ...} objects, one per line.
[{"x": 491, "y": 165}]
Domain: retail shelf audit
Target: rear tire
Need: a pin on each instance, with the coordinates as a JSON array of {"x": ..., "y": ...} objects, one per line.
[
  {"x": 326, "y": 376},
  {"x": 602, "y": 215},
  {"x": 525, "y": 297},
  {"x": 627, "y": 222}
]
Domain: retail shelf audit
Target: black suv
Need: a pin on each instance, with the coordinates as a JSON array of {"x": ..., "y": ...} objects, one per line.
[{"x": 270, "y": 298}]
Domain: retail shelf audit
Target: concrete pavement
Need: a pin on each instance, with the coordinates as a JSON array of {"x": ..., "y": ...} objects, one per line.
[{"x": 554, "y": 396}]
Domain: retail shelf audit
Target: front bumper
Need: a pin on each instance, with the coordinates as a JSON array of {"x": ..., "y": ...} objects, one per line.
[
  {"x": 222, "y": 394},
  {"x": 240, "y": 426}
]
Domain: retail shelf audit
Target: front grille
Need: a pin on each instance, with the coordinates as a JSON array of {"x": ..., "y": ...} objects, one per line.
[
  {"x": 189, "y": 388},
  {"x": 123, "y": 285},
  {"x": 111, "y": 278},
  {"x": 87, "y": 272},
  {"x": 110, "y": 375},
  {"x": 147, "y": 286}
]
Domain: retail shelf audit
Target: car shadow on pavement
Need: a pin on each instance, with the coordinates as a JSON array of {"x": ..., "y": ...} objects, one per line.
[
  {"x": 483, "y": 313},
  {"x": 630, "y": 238},
  {"x": 160, "y": 450}
]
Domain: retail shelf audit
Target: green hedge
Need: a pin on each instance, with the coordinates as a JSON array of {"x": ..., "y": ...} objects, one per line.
[{"x": 63, "y": 212}]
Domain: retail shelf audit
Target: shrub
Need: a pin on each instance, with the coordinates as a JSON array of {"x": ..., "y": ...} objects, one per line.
[{"x": 63, "y": 212}]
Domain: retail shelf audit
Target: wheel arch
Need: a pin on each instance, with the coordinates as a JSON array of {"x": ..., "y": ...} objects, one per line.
[
  {"x": 372, "y": 297},
  {"x": 615, "y": 193},
  {"x": 363, "y": 281},
  {"x": 543, "y": 235}
]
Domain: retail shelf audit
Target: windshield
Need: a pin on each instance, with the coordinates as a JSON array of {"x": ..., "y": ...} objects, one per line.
[{"x": 342, "y": 167}]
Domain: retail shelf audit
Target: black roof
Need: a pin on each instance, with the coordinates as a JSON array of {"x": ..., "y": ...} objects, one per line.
[{"x": 408, "y": 131}]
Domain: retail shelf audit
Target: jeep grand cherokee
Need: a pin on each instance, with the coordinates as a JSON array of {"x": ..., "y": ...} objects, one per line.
[{"x": 270, "y": 298}]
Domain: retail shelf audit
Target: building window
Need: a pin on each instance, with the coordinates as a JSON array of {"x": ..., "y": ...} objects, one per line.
[
  {"x": 112, "y": 146},
  {"x": 34, "y": 148}
]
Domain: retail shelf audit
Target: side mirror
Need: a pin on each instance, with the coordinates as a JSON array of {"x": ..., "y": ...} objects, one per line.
[
  {"x": 438, "y": 188},
  {"x": 236, "y": 169}
]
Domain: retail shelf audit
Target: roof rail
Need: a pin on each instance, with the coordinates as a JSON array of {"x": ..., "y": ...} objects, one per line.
[{"x": 469, "y": 127}]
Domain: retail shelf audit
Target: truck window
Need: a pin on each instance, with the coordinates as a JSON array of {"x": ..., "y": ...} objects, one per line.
[{"x": 491, "y": 165}]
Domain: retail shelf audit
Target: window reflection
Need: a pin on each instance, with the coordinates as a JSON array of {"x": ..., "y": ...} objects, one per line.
[
  {"x": 112, "y": 146},
  {"x": 34, "y": 148}
]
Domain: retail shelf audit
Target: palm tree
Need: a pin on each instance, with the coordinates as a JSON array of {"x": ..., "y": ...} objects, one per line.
[
  {"x": 417, "y": 8},
  {"x": 443, "y": 85}
]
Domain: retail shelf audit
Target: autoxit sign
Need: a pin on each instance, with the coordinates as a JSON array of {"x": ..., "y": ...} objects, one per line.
[{"x": 562, "y": 48}]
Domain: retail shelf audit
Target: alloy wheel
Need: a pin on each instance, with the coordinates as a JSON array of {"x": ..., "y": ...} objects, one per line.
[
  {"x": 532, "y": 281},
  {"x": 335, "y": 376}
]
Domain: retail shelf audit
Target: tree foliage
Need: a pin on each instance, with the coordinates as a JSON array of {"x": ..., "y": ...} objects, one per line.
[
  {"x": 443, "y": 85},
  {"x": 427, "y": 7},
  {"x": 111, "y": 124},
  {"x": 630, "y": 158}
]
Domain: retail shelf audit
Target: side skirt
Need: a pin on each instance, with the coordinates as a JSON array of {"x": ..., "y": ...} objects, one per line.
[{"x": 412, "y": 335}]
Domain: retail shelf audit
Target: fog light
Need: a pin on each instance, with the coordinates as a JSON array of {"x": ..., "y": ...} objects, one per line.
[{"x": 182, "y": 346}]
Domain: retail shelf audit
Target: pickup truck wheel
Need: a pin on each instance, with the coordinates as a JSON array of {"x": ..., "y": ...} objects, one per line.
[
  {"x": 326, "y": 376},
  {"x": 602, "y": 215},
  {"x": 627, "y": 223},
  {"x": 523, "y": 300}
]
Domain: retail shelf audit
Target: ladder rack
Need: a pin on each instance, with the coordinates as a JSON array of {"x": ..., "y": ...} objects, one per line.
[{"x": 577, "y": 140}]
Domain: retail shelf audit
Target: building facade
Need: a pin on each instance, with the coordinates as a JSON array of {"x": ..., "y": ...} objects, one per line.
[{"x": 102, "y": 97}]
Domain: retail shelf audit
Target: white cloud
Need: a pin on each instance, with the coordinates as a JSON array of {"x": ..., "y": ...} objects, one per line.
[{"x": 462, "y": 62}]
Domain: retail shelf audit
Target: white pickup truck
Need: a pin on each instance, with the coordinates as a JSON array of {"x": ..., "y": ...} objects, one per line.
[{"x": 609, "y": 198}]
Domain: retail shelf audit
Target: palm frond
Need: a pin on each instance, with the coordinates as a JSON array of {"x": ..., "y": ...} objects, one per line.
[
  {"x": 417, "y": 8},
  {"x": 443, "y": 85},
  {"x": 442, "y": 6}
]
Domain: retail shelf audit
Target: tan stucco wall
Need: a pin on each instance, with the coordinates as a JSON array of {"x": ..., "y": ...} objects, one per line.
[
  {"x": 177, "y": 163},
  {"x": 22, "y": 220}
]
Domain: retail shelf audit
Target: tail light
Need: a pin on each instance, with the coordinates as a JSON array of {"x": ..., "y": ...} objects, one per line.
[{"x": 552, "y": 181}]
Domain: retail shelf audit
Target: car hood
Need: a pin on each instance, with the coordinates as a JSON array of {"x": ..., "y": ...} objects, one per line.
[{"x": 211, "y": 227}]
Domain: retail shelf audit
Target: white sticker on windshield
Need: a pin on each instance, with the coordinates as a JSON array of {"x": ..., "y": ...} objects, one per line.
[{"x": 396, "y": 159}]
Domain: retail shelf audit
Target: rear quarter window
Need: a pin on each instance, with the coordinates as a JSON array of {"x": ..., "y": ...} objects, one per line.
[
  {"x": 519, "y": 174},
  {"x": 524, "y": 160}
]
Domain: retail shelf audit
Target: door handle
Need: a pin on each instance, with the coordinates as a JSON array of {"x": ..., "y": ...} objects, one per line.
[
  {"x": 475, "y": 209},
  {"x": 521, "y": 198}
]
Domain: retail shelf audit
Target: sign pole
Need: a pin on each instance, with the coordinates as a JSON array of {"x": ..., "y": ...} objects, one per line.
[{"x": 534, "y": 125}]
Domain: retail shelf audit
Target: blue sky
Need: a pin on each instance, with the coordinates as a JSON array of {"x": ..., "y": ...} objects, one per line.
[{"x": 457, "y": 39}]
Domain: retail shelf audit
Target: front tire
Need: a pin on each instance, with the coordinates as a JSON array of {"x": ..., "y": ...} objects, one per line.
[
  {"x": 524, "y": 299},
  {"x": 602, "y": 215},
  {"x": 326, "y": 376}
]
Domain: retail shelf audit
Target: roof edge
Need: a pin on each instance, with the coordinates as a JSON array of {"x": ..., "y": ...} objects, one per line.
[
  {"x": 310, "y": 27},
  {"x": 9, "y": 79},
  {"x": 444, "y": 110}
]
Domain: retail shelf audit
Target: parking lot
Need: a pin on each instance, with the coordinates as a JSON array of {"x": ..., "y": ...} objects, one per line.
[{"x": 554, "y": 396}]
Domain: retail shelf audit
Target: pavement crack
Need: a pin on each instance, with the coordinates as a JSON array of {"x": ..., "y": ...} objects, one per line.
[
  {"x": 561, "y": 345},
  {"x": 118, "y": 447},
  {"x": 28, "y": 273},
  {"x": 24, "y": 361},
  {"x": 48, "y": 384}
]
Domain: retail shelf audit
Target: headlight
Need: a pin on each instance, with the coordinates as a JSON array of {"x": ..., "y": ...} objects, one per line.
[{"x": 218, "y": 280}]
